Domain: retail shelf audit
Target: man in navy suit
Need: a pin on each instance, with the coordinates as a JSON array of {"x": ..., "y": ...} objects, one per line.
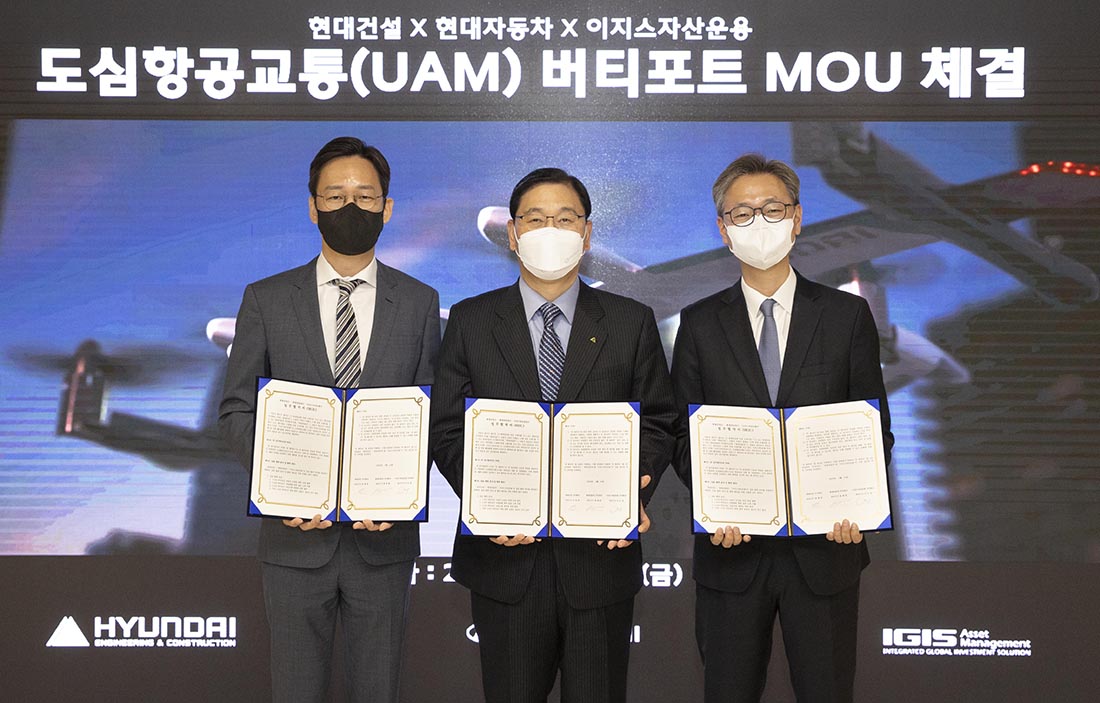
[
  {"x": 346, "y": 319},
  {"x": 541, "y": 606},
  {"x": 775, "y": 339}
]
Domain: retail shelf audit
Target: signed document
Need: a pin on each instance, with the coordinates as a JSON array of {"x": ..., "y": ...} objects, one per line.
[
  {"x": 595, "y": 470},
  {"x": 347, "y": 454},
  {"x": 567, "y": 470},
  {"x": 788, "y": 472}
]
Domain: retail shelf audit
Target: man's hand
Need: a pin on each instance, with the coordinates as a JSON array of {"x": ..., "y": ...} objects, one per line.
[
  {"x": 506, "y": 541},
  {"x": 844, "y": 533},
  {"x": 315, "y": 524},
  {"x": 371, "y": 526},
  {"x": 643, "y": 523},
  {"x": 726, "y": 537}
]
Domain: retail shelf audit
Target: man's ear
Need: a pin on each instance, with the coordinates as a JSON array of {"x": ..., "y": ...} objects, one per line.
[
  {"x": 722, "y": 231},
  {"x": 512, "y": 237}
]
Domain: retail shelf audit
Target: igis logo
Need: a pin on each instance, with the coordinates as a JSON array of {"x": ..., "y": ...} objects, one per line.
[{"x": 919, "y": 637}]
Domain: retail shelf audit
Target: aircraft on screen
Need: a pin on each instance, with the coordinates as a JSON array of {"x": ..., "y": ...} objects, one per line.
[
  {"x": 215, "y": 521},
  {"x": 906, "y": 206}
]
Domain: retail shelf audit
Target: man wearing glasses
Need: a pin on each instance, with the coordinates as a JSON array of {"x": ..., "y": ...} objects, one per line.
[
  {"x": 344, "y": 319},
  {"x": 544, "y": 605},
  {"x": 775, "y": 339}
]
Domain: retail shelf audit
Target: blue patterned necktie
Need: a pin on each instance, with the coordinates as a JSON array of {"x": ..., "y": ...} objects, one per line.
[
  {"x": 347, "y": 367},
  {"x": 551, "y": 354},
  {"x": 769, "y": 349}
]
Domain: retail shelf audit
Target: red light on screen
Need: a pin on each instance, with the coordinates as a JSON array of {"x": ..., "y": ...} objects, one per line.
[{"x": 1067, "y": 167}]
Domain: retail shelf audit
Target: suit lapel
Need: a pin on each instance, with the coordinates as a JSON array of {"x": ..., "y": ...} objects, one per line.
[
  {"x": 585, "y": 342},
  {"x": 805, "y": 315},
  {"x": 308, "y": 311},
  {"x": 385, "y": 312},
  {"x": 734, "y": 319},
  {"x": 513, "y": 338}
]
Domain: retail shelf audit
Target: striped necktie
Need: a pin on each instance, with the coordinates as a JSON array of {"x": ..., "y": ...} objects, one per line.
[
  {"x": 347, "y": 367},
  {"x": 769, "y": 349},
  {"x": 551, "y": 354}
]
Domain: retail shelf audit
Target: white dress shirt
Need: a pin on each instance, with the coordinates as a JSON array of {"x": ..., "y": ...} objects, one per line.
[
  {"x": 784, "y": 301},
  {"x": 362, "y": 303}
]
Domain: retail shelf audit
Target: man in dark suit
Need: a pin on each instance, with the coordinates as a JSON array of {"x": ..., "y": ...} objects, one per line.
[
  {"x": 342, "y": 319},
  {"x": 544, "y": 605},
  {"x": 775, "y": 339}
]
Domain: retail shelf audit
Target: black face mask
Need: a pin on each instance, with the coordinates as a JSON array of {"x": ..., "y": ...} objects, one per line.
[{"x": 350, "y": 231}]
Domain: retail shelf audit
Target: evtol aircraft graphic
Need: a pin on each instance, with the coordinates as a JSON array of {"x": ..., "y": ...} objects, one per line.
[{"x": 905, "y": 206}]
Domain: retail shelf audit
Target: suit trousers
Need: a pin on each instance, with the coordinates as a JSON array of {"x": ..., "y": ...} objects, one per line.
[
  {"x": 524, "y": 644},
  {"x": 734, "y": 633},
  {"x": 302, "y": 608}
]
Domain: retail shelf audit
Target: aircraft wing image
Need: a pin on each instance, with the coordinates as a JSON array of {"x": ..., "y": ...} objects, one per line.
[
  {"x": 215, "y": 520},
  {"x": 907, "y": 207},
  {"x": 834, "y": 247},
  {"x": 904, "y": 214},
  {"x": 841, "y": 242},
  {"x": 903, "y": 196},
  {"x": 83, "y": 407}
]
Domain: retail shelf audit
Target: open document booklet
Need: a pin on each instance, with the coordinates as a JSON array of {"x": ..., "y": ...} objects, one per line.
[
  {"x": 542, "y": 470},
  {"x": 788, "y": 472},
  {"x": 347, "y": 454}
]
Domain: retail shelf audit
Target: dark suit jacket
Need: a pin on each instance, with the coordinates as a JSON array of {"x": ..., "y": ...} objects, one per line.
[
  {"x": 279, "y": 335},
  {"x": 832, "y": 356},
  {"x": 614, "y": 354}
]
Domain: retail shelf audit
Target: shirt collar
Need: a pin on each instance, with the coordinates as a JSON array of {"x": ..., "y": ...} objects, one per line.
[
  {"x": 783, "y": 296},
  {"x": 566, "y": 302},
  {"x": 325, "y": 273}
]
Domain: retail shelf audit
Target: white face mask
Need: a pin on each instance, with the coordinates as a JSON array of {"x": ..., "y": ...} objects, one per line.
[
  {"x": 550, "y": 253},
  {"x": 762, "y": 244}
]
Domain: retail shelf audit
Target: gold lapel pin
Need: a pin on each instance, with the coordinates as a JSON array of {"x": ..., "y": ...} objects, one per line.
[{"x": 592, "y": 339}]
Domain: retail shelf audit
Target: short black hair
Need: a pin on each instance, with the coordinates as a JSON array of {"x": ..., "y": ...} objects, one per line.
[
  {"x": 549, "y": 175},
  {"x": 349, "y": 146}
]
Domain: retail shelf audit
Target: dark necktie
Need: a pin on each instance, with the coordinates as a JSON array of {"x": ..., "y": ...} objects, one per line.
[
  {"x": 347, "y": 367},
  {"x": 769, "y": 349},
  {"x": 551, "y": 354}
]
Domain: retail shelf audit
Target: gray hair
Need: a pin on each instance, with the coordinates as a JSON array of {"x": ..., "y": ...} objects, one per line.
[{"x": 750, "y": 164}]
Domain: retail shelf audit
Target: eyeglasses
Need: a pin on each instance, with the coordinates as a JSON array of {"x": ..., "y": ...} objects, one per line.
[
  {"x": 565, "y": 220},
  {"x": 743, "y": 216},
  {"x": 335, "y": 201}
]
